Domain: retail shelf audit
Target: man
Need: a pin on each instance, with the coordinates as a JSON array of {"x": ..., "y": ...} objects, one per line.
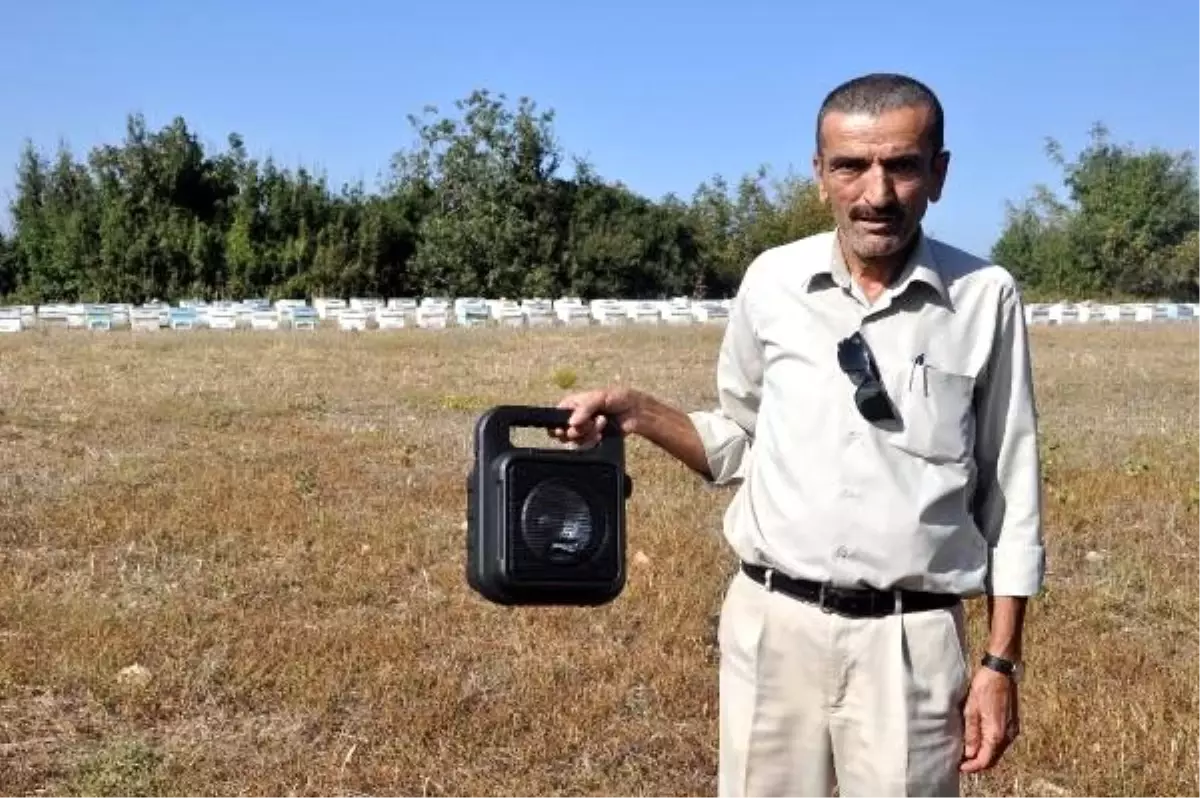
[{"x": 876, "y": 412}]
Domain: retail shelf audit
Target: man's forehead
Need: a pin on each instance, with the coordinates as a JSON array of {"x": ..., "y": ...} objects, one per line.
[{"x": 897, "y": 129}]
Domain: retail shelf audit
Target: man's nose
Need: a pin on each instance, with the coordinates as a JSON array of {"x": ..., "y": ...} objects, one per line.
[{"x": 878, "y": 189}]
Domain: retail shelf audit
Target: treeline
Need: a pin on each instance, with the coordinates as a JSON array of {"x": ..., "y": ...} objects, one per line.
[
  {"x": 481, "y": 205},
  {"x": 1126, "y": 229}
]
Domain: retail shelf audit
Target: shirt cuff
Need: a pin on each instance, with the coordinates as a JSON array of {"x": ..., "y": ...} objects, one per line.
[
  {"x": 726, "y": 446},
  {"x": 1016, "y": 570}
]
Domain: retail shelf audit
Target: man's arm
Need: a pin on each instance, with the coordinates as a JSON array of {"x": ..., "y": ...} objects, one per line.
[
  {"x": 727, "y": 432},
  {"x": 1006, "y": 619},
  {"x": 1008, "y": 501},
  {"x": 671, "y": 430},
  {"x": 713, "y": 443},
  {"x": 1008, "y": 513}
]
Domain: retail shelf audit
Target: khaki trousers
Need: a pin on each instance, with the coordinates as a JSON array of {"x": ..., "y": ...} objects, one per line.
[{"x": 809, "y": 698}]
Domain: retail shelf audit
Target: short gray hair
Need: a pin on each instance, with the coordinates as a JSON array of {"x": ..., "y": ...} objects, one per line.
[{"x": 884, "y": 91}]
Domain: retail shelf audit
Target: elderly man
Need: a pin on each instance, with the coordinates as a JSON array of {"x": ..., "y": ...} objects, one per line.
[{"x": 877, "y": 414}]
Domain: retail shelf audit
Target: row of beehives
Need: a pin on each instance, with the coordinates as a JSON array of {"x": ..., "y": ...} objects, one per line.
[
  {"x": 360, "y": 314},
  {"x": 1091, "y": 312}
]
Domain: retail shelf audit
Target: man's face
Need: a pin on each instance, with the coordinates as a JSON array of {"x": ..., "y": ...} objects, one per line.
[{"x": 879, "y": 173}]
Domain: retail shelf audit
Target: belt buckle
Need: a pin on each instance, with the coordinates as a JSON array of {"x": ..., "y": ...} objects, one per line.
[{"x": 821, "y": 599}]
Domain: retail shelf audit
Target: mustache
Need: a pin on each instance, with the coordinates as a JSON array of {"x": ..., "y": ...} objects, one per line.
[{"x": 888, "y": 213}]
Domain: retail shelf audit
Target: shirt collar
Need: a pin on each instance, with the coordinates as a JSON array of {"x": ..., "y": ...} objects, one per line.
[{"x": 921, "y": 266}]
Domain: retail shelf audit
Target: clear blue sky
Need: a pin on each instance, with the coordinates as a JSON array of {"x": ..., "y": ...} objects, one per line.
[{"x": 660, "y": 96}]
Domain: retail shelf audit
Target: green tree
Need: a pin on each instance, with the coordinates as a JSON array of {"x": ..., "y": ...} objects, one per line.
[
  {"x": 488, "y": 230},
  {"x": 734, "y": 226},
  {"x": 9, "y": 277},
  {"x": 1126, "y": 228}
]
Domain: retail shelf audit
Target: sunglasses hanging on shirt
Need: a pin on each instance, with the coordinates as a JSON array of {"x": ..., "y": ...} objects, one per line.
[{"x": 856, "y": 360}]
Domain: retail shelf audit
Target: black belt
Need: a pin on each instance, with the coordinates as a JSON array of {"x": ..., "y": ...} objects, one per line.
[{"x": 853, "y": 602}]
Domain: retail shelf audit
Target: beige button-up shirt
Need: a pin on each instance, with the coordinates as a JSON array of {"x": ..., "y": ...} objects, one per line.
[{"x": 948, "y": 498}]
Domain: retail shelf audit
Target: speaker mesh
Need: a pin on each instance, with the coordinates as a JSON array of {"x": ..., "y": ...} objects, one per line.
[
  {"x": 561, "y": 520},
  {"x": 556, "y": 522}
]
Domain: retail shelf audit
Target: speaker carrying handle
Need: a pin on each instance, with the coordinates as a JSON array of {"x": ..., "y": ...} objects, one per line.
[{"x": 494, "y": 426}]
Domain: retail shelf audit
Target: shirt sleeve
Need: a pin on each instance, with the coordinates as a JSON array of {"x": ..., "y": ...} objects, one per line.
[
  {"x": 728, "y": 430},
  {"x": 1008, "y": 499}
]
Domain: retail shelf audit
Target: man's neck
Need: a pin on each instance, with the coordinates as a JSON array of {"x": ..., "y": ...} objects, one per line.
[{"x": 873, "y": 275}]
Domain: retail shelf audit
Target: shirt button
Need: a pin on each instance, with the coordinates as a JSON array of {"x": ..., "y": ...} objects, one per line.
[{"x": 842, "y": 552}]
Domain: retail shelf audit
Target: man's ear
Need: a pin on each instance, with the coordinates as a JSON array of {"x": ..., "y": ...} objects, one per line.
[
  {"x": 941, "y": 166},
  {"x": 816, "y": 167}
]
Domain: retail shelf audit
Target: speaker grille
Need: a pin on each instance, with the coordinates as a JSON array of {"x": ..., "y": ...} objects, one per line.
[
  {"x": 563, "y": 518},
  {"x": 557, "y": 523}
]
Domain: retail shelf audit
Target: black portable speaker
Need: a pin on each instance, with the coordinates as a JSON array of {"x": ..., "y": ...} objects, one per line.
[{"x": 545, "y": 526}]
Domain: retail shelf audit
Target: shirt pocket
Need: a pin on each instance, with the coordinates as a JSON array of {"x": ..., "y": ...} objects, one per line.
[{"x": 936, "y": 414}]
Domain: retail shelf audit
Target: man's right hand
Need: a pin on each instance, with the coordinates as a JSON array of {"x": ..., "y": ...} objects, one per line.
[{"x": 589, "y": 411}]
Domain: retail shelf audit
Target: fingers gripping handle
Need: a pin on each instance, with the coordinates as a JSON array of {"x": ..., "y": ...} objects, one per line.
[{"x": 545, "y": 417}]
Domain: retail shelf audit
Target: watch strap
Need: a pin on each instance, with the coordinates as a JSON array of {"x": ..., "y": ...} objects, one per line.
[{"x": 999, "y": 664}]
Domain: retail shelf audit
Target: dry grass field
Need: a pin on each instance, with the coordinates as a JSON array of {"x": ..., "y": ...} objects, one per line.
[{"x": 233, "y": 564}]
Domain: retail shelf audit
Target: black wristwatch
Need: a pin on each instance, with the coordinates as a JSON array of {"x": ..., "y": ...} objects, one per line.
[{"x": 1009, "y": 668}]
